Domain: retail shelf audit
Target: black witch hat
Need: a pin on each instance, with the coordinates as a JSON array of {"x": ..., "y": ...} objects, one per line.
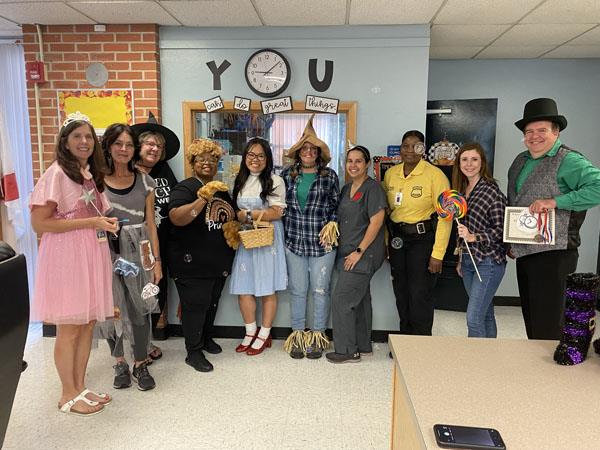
[{"x": 172, "y": 143}]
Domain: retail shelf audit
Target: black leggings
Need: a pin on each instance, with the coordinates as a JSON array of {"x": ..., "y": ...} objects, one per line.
[{"x": 199, "y": 299}]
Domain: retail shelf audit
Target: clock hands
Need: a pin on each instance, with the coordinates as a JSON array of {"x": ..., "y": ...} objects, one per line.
[{"x": 269, "y": 71}]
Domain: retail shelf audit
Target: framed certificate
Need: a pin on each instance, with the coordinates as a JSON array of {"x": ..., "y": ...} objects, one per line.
[{"x": 523, "y": 227}]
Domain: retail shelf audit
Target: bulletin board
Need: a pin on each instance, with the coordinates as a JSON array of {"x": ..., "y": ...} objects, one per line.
[
  {"x": 102, "y": 106},
  {"x": 382, "y": 163}
]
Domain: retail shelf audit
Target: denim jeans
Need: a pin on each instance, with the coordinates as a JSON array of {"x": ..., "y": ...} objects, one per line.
[
  {"x": 481, "y": 321},
  {"x": 316, "y": 272}
]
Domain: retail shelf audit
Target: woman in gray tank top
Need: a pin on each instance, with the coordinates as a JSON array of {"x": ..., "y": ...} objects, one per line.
[{"x": 136, "y": 254}]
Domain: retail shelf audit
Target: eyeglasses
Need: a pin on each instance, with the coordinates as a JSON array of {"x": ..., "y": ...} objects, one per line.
[
  {"x": 252, "y": 156},
  {"x": 152, "y": 144},
  {"x": 529, "y": 133},
  {"x": 209, "y": 162},
  {"x": 128, "y": 145},
  {"x": 419, "y": 147}
]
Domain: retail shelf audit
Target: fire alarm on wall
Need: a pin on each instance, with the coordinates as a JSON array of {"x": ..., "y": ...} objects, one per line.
[{"x": 34, "y": 72}]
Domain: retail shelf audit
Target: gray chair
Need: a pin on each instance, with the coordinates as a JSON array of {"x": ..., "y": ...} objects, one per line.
[{"x": 14, "y": 323}]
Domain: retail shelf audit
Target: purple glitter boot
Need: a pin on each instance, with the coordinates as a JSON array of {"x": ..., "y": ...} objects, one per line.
[{"x": 580, "y": 320}]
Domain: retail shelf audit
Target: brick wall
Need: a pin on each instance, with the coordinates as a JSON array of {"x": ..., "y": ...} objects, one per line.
[{"x": 130, "y": 53}]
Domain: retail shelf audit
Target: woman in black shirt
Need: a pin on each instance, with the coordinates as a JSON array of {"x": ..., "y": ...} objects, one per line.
[{"x": 199, "y": 258}]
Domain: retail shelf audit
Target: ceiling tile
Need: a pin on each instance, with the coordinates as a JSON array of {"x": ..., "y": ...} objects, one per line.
[
  {"x": 387, "y": 12},
  {"x": 461, "y": 35},
  {"x": 541, "y": 34},
  {"x": 484, "y": 11},
  {"x": 453, "y": 52},
  {"x": 7, "y": 25},
  {"x": 302, "y": 12},
  {"x": 104, "y": 11},
  {"x": 569, "y": 11},
  {"x": 45, "y": 13},
  {"x": 575, "y": 51},
  {"x": 591, "y": 37},
  {"x": 517, "y": 52},
  {"x": 210, "y": 13}
]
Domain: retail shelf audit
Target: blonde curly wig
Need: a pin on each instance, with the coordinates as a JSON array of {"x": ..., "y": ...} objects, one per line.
[{"x": 201, "y": 147}]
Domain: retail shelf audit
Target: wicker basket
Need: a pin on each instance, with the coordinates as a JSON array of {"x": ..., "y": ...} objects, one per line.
[{"x": 262, "y": 235}]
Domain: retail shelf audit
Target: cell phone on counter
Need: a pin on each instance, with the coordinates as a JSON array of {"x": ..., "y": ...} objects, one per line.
[{"x": 455, "y": 436}]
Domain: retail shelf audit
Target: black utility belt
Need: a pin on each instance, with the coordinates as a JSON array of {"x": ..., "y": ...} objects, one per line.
[{"x": 412, "y": 229}]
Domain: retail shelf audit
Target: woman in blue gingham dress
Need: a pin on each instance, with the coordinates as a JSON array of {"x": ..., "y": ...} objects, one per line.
[{"x": 259, "y": 272}]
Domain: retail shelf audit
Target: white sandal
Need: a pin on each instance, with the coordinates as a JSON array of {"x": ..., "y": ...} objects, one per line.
[
  {"x": 67, "y": 406},
  {"x": 102, "y": 395}
]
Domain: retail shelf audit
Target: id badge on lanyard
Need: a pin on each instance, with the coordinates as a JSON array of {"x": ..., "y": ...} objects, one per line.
[{"x": 398, "y": 199}]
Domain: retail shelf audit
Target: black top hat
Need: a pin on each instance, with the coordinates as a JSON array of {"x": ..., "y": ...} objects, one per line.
[
  {"x": 172, "y": 143},
  {"x": 541, "y": 109}
]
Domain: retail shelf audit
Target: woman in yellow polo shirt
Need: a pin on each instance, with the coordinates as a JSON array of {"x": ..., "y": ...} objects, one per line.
[{"x": 417, "y": 242}]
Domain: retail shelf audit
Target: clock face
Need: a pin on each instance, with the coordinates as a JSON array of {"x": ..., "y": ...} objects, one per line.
[
  {"x": 96, "y": 74},
  {"x": 267, "y": 73}
]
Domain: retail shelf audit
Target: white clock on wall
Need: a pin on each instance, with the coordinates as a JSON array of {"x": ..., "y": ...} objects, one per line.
[
  {"x": 268, "y": 73},
  {"x": 96, "y": 74}
]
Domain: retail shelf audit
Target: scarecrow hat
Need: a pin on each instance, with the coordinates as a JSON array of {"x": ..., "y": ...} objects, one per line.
[
  {"x": 541, "y": 109},
  {"x": 309, "y": 135},
  {"x": 172, "y": 143}
]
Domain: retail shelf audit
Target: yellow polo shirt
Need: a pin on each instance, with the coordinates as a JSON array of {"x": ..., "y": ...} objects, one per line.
[{"x": 412, "y": 199}]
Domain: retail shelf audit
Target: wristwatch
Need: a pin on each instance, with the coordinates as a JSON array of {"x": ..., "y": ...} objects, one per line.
[
  {"x": 358, "y": 250},
  {"x": 477, "y": 237},
  {"x": 194, "y": 213}
]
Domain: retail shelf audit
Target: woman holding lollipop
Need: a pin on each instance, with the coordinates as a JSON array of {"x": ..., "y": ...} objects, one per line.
[{"x": 482, "y": 231}]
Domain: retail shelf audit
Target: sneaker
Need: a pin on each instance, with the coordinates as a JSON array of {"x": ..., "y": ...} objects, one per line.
[
  {"x": 199, "y": 362},
  {"x": 317, "y": 343},
  {"x": 340, "y": 358},
  {"x": 122, "y": 376},
  {"x": 210, "y": 346},
  {"x": 143, "y": 378}
]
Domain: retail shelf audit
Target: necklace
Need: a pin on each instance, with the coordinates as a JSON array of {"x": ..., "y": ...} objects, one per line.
[{"x": 309, "y": 167}]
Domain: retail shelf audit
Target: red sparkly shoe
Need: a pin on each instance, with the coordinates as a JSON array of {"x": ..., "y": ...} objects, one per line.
[
  {"x": 257, "y": 351},
  {"x": 242, "y": 348}
]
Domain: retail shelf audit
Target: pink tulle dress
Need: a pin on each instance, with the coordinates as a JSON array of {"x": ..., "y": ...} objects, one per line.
[{"x": 73, "y": 282}]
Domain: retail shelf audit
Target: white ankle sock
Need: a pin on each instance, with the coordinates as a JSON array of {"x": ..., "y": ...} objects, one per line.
[
  {"x": 264, "y": 334},
  {"x": 250, "y": 331}
]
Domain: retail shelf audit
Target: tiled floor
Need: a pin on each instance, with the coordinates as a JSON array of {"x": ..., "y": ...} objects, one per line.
[{"x": 266, "y": 402}]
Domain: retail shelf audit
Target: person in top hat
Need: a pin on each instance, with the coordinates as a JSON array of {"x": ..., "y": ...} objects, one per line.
[
  {"x": 312, "y": 196},
  {"x": 158, "y": 144},
  {"x": 549, "y": 175}
]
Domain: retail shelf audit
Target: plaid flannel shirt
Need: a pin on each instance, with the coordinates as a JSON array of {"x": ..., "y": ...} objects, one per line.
[
  {"x": 302, "y": 227},
  {"x": 485, "y": 218}
]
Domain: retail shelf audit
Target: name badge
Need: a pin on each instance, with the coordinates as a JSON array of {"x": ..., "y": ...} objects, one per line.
[
  {"x": 398, "y": 199},
  {"x": 101, "y": 235}
]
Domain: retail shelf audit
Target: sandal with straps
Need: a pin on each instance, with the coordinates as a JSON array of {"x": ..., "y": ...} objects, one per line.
[
  {"x": 67, "y": 407},
  {"x": 106, "y": 399}
]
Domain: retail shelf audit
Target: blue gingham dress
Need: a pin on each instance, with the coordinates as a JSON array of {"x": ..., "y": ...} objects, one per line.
[{"x": 259, "y": 271}]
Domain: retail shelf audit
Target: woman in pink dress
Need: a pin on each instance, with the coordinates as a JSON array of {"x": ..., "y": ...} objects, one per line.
[{"x": 73, "y": 285}]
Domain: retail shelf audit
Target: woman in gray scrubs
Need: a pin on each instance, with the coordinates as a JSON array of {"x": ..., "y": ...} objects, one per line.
[{"x": 361, "y": 252}]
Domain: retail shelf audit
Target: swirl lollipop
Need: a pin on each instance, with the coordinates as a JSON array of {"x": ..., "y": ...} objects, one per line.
[{"x": 451, "y": 204}]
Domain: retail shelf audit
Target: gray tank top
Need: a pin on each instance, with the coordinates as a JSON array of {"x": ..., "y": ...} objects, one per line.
[{"x": 130, "y": 203}]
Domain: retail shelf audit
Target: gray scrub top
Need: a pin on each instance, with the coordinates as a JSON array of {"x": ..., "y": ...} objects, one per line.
[{"x": 354, "y": 217}]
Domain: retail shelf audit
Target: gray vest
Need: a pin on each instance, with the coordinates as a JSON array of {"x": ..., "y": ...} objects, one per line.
[{"x": 542, "y": 183}]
